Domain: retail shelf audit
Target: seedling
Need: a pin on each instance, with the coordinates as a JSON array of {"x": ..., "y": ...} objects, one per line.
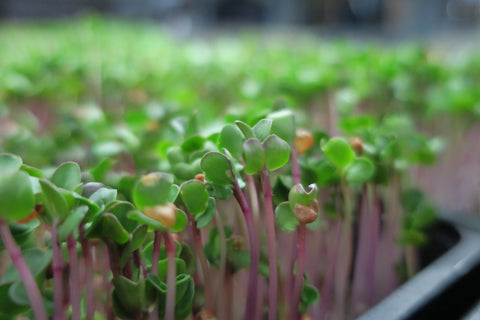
[{"x": 283, "y": 179}]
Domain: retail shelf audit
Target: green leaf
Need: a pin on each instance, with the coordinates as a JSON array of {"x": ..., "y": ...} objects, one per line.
[
  {"x": 103, "y": 196},
  {"x": 262, "y": 129},
  {"x": 54, "y": 201},
  {"x": 8, "y": 308},
  {"x": 254, "y": 156},
  {"x": 180, "y": 222},
  {"x": 298, "y": 195},
  {"x": 277, "y": 152},
  {"x": 220, "y": 192},
  {"x": 129, "y": 293},
  {"x": 18, "y": 294},
  {"x": 9, "y": 163},
  {"x": 285, "y": 217},
  {"x": 174, "y": 191},
  {"x": 195, "y": 196},
  {"x": 152, "y": 189},
  {"x": 204, "y": 218},
  {"x": 408, "y": 237},
  {"x": 360, "y": 170},
  {"x": 424, "y": 216},
  {"x": 339, "y": 152},
  {"x": 32, "y": 172},
  {"x": 309, "y": 296},
  {"x": 246, "y": 129},
  {"x": 184, "y": 296},
  {"x": 192, "y": 144},
  {"x": 71, "y": 223},
  {"x": 112, "y": 229},
  {"x": 67, "y": 176},
  {"x": 184, "y": 171},
  {"x": 175, "y": 155},
  {"x": 163, "y": 266},
  {"x": 189, "y": 257},
  {"x": 138, "y": 237},
  {"x": 37, "y": 260},
  {"x": 193, "y": 126},
  {"x": 327, "y": 173},
  {"x": 231, "y": 138},
  {"x": 283, "y": 124},
  {"x": 21, "y": 231},
  {"x": 141, "y": 218},
  {"x": 17, "y": 200},
  {"x": 157, "y": 283},
  {"x": 217, "y": 168},
  {"x": 182, "y": 283},
  {"x": 120, "y": 209},
  {"x": 411, "y": 199},
  {"x": 99, "y": 172}
]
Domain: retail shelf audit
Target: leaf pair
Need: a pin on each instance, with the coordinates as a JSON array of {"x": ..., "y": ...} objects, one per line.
[
  {"x": 341, "y": 154},
  {"x": 302, "y": 207},
  {"x": 273, "y": 153},
  {"x": 154, "y": 195}
]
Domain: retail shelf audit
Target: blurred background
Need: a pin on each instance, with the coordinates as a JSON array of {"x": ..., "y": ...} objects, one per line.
[
  {"x": 110, "y": 56},
  {"x": 390, "y": 17}
]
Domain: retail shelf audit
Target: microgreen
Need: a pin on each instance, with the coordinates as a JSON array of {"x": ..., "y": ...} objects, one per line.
[{"x": 359, "y": 187}]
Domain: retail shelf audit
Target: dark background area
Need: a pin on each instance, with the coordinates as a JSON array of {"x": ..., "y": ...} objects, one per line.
[{"x": 405, "y": 17}]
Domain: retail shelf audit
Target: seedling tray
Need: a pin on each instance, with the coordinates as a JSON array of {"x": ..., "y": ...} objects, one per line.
[{"x": 448, "y": 287}]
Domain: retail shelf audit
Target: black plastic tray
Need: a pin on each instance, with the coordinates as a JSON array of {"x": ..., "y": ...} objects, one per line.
[{"x": 449, "y": 286}]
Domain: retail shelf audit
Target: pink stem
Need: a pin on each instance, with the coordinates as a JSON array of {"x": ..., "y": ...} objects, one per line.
[
  {"x": 157, "y": 241},
  {"x": 297, "y": 288},
  {"x": 391, "y": 250},
  {"x": 272, "y": 249},
  {"x": 57, "y": 266},
  {"x": 295, "y": 167},
  {"x": 171, "y": 276},
  {"x": 107, "y": 286},
  {"x": 89, "y": 274},
  {"x": 374, "y": 238},
  {"x": 254, "y": 254},
  {"x": 75, "y": 286},
  {"x": 360, "y": 284},
  {"x": 197, "y": 238},
  {"x": 28, "y": 280},
  {"x": 327, "y": 289}
]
